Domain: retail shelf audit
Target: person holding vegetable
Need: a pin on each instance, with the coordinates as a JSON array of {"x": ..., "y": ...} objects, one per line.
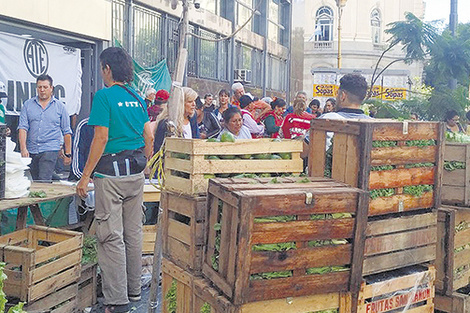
[
  {"x": 452, "y": 122},
  {"x": 234, "y": 124},
  {"x": 274, "y": 118}
]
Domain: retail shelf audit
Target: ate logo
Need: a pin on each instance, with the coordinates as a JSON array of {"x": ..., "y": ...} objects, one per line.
[{"x": 36, "y": 57}]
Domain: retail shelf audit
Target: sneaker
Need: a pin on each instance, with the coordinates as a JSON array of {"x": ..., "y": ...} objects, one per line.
[
  {"x": 123, "y": 308},
  {"x": 134, "y": 298}
]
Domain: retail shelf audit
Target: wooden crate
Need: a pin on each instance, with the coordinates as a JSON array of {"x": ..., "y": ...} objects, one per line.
[
  {"x": 234, "y": 229},
  {"x": 64, "y": 300},
  {"x": 40, "y": 260},
  {"x": 207, "y": 298},
  {"x": 455, "y": 303},
  {"x": 183, "y": 229},
  {"x": 404, "y": 240},
  {"x": 195, "y": 166},
  {"x": 149, "y": 234},
  {"x": 411, "y": 292},
  {"x": 357, "y": 161},
  {"x": 192, "y": 293},
  {"x": 456, "y": 183},
  {"x": 453, "y": 249},
  {"x": 87, "y": 286}
]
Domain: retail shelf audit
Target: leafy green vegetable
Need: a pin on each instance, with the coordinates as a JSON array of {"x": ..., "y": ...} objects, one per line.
[
  {"x": 37, "y": 194},
  {"x": 283, "y": 246},
  {"x": 419, "y": 165},
  {"x": 454, "y": 165},
  {"x": 274, "y": 181},
  {"x": 304, "y": 180},
  {"x": 171, "y": 297},
  {"x": 275, "y": 219},
  {"x": 457, "y": 137},
  {"x": 386, "y": 192},
  {"x": 271, "y": 275},
  {"x": 383, "y": 143},
  {"x": 328, "y": 161},
  {"x": 206, "y": 308},
  {"x": 89, "y": 254},
  {"x": 382, "y": 168},
  {"x": 420, "y": 143},
  {"x": 417, "y": 191},
  {"x": 3, "y": 300},
  {"x": 461, "y": 226},
  {"x": 182, "y": 156},
  {"x": 325, "y": 270}
]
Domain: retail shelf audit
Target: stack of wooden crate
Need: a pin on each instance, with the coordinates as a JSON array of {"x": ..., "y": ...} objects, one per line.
[
  {"x": 189, "y": 164},
  {"x": 453, "y": 249},
  {"x": 43, "y": 266},
  {"x": 400, "y": 164}
]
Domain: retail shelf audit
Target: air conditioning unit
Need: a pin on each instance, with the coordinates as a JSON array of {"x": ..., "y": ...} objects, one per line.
[{"x": 243, "y": 75}]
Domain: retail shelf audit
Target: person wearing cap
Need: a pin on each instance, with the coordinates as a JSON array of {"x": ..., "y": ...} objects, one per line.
[
  {"x": 256, "y": 130},
  {"x": 160, "y": 98},
  {"x": 44, "y": 125}
]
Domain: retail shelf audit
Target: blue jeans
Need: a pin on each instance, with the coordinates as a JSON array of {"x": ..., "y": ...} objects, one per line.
[{"x": 43, "y": 164}]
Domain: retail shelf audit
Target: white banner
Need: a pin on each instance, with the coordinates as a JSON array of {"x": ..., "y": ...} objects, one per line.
[{"x": 23, "y": 59}]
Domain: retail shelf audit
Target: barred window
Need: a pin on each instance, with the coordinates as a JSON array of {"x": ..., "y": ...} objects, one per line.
[
  {"x": 324, "y": 24},
  {"x": 376, "y": 24}
]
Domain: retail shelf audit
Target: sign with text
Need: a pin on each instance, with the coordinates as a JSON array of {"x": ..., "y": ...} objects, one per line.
[
  {"x": 24, "y": 59},
  {"x": 325, "y": 90}
]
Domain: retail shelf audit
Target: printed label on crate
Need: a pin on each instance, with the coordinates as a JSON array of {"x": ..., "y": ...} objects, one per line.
[{"x": 399, "y": 300}]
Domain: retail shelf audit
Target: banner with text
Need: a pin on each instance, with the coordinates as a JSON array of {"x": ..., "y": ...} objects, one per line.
[{"x": 23, "y": 59}]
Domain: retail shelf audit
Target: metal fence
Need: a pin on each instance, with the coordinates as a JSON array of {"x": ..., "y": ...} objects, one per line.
[{"x": 147, "y": 39}]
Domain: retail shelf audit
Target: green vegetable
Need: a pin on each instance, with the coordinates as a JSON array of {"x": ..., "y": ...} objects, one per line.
[
  {"x": 227, "y": 137},
  {"x": 386, "y": 192},
  {"x": 212, "y": 140},
  {"x": 206, "y": 308},
  {"x": 275, "y": 181},
  {"x": 246, "y": 176},
  {"x": 283, "y": 246},
  {"x": 171, "y": 297},
  {"x": 3, "y": 300},
  {"x": 454, "y": 165},
  {"x": 328, "y": 161},
  {"x": 382, "y": 168},
  {"x": 275, "y": 219},
  {"x": 208, "y": 176},
  {"x": 417, "y": 191},
  {"x": 380, "y": 144},
  {"x": 271, "y": 275},
  {"x": 419, "y": 165},
  {"x": 285, "y": 155},
  {"x": 275, "y": 157},
  {"x": 245, "y": 156},
  {"x": 211, "y": 157},
  {"x": 421, "y": 143},
  {"x": 457, "y": 137},
  {"x": 304, "y": 180},
  {"x": 262, "y": 156},
  {"x": 265, "y": 175},
  {"x": 227, "y": 157},
  {"x": 37, "y": 194},
  {"x": 182, "y": 156},
  {"x": 89, "y": 254}
]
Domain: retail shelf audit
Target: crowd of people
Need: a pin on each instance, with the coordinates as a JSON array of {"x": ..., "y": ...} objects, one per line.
[{"x": 124, "y": 130}]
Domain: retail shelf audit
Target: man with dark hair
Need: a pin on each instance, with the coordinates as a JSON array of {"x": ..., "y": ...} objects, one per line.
[
  {"x": 121, "y": 145},
  {"x": 352, "y": 91},
  {"x": 44, "y": 125}
]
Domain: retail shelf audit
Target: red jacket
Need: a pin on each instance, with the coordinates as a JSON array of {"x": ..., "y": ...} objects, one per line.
[{"x": 296, "y": 125}]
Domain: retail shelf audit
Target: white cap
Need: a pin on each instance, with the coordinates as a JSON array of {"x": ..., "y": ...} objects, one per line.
[{"x": 3, "y": 90}]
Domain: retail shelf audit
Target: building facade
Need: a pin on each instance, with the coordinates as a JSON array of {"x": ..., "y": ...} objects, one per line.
[
  {"x": 363, "y": 39},
  {"x": 257, "y": 54}
]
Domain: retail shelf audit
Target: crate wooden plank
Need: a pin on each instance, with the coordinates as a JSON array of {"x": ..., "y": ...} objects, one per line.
[
  {"x": 462, "y": 238},
  {"x": 39, "y": 269},
  {"x": 65, "y": 297},
  {"x": 455, "y": 303},
  {"x": 195, "y": 164},
  {"x": 87, "y": 288},
  {"x": 250, "y": 217},
  {"x": 183, "y": 229},
  {"x": 184, "y": 286},
  {"x": 368, "y": 155},
  {"x": 456, "y": 183},
  {"x": 399, "y": 259},
  {"x": 403, "y": 223},
  {"x": 399, "y": 292}
]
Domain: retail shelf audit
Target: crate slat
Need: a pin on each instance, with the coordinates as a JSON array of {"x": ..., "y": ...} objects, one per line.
[
  {"x": 355, "y": 159},
  {"x": 247, "y": 219}
]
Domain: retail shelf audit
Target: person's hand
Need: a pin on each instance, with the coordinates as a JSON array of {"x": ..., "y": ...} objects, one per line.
[
  {"x": 67, "y": 160},
  {"x": 25, "y": 153},
  {"x": 202, "y": 135},
  {"x": 82, "y": 187},
  {"x": 8, "y": 132}
]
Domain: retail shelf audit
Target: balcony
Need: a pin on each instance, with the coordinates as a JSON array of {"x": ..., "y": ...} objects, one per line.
[{"x": 323, "y": 45}]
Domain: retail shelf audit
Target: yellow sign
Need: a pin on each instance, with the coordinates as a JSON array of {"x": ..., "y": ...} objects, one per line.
[
  {"x": 325, "y": 90},
  {"x": 393, "y": 93},
  {"x": 376, "y": 92}
]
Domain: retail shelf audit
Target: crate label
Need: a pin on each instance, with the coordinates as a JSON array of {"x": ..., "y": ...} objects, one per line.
[{"x": 401, "y": 299}]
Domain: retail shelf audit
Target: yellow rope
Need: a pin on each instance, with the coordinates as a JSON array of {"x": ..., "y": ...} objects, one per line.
[{"x": 156, "y": 166}]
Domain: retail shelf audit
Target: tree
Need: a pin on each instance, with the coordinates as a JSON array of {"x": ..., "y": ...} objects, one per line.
[{"x": 416, "y": 38}]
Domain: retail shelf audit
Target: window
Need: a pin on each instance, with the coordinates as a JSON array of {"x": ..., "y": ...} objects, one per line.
[
  {"x": 273, "y": 17},
  {"x": 324, "y": 24},
  {"x": 211, "y": 6},
  {"x": 375, "y": 22},
  {"x": 147, "y": 37},
  {"x": 245, "y": 9}
]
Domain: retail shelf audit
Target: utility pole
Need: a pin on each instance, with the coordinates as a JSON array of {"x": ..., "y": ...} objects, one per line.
[
  {"x": 453, "y": 22},
  {"x": 174, "y": 108}
]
